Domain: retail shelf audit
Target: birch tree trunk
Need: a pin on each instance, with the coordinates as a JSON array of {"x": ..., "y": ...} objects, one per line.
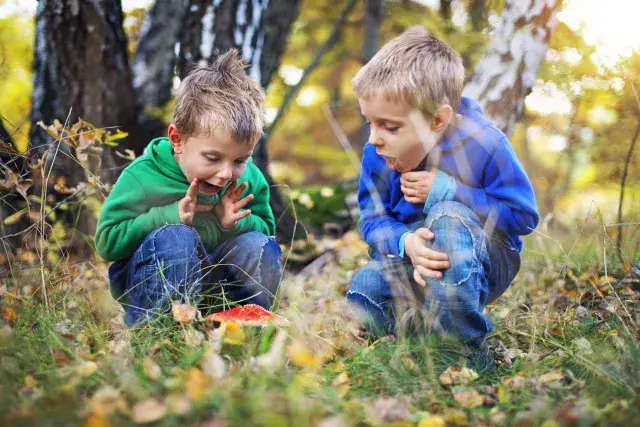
[
  {"x": 259, "y": 30},
  {"x": 81, "y": 70},
  {"x": 154, "y": 63},
  {"x": 507, "y": 72}
]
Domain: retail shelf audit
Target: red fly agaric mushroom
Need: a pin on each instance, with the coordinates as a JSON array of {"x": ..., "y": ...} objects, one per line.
[{"x": 247, "y": 315}]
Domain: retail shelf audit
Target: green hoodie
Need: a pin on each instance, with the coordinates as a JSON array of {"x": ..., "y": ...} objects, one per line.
[{"x": 146, "y": 196}]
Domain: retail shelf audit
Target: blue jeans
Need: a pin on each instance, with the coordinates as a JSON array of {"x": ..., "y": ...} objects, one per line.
[
  {"x": 482, "y": 267},
  {"x": 171, "y": 264}
]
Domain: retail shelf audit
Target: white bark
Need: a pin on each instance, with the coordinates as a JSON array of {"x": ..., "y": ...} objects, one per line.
[{"x": 507, "y": 72}]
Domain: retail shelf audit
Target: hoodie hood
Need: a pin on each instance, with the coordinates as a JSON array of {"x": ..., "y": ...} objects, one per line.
[
  {"x": 160, "y": 152},
  {"x": 470, "y": 124}
]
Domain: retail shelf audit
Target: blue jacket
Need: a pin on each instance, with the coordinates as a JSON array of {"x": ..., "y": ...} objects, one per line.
[{"x": 476, "y": 167}]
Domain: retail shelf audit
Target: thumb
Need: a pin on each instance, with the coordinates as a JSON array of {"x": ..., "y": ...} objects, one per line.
[{"x": 425, "y": 233}]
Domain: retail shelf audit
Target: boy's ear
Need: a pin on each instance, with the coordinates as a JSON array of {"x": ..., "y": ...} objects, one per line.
[
  {"x": 175, "y": 138},
  {"x": 441, "y": 118}
]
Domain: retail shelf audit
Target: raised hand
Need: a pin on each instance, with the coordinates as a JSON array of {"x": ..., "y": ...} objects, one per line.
[
  {"x": 416, "y": 185},
  {"x": 228, "y": 210},
  {"x": 187, "y": 205},
  {"x": 426, "y": 262}
]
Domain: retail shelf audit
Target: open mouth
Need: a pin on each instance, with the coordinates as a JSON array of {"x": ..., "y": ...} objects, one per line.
[
  {"x": 391, "y": 162},
  {"x": 208, "y": 189}
]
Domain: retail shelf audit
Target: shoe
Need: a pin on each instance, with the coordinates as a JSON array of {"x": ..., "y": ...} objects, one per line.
[{"x": 479, "y": 357}]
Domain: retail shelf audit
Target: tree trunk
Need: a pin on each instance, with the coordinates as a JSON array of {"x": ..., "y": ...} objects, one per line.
[
  {"x": 372, "y": 22},
  {"x": 81, "y": 70},
  {"x": 258, "y": 29},
  {"x": 507, "y": 72},
  {"x": 9, "y": 202},
  {"x": 154, "y": 63},
  {"x": 478, "y": 15}
]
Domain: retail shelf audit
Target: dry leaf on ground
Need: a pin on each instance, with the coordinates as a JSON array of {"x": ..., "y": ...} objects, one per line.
[
  {"x": 183, "y": 313},
  {"x": 467, "y": 397},
  {"x": 151, "y": 368},
  {"x": 456, "y": 376},
  {"x": 148, "y": 411}
]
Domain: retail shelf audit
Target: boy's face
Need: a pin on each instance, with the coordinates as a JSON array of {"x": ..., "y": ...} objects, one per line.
[
  {"x": 400, "y": 133},
  {"x": 215, "y": 159}
]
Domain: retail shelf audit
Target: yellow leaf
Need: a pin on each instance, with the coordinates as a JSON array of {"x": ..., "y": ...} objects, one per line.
[
  {"x": 96, "y": 420},
  {"x": 14, "y": 217},
  {"x": 106, "y": 401},
  {"x": 550, "y": 423},
  {"x": 178, "y": 404},
  {"x": 301, "y": 356},
  {"x": 550, "y": 377},
  {"x": 148, "y": 411},
  {"x": 197, "y": 383},
  {"x": 432, "y": 421}
]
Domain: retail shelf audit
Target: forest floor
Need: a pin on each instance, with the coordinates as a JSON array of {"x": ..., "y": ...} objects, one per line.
[{"x": 566, "y": 340}]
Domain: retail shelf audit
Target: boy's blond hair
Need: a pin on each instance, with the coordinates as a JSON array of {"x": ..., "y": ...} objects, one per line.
[
  {"x": 220, "y": 95},
  {"x": 417, "y": 68}
]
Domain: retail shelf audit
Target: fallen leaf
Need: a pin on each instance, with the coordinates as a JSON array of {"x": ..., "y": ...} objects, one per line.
[
  {"x": 107, "y": 400},
  {"x": 86, "y": 369},
  {"x": 550, "y": 377},
  {"x": 432, "y": 421},
  {"x": 197, "y": 383},
  {"x": 341, "y": 382},
  {"x": 301, "y": 356},
  {"x": 148, "y": 411},
  {"x": 183, "y": 313},
  {"x": 467, "y": 397},
  {"x": 583, "y": 346},
  {"x": 9, "y": 314},
  {"x": 213, "y": 365},
  {"x": 6, "y": 335},
  {"x": 387, "y": 410},
  {"x": 193, "y": 337},
  {"x": 178, "y": 404},
  {"x": 97, "y": 420},
  {"x": 151, "y": 368},
  {"x": 455, "y": 376}
]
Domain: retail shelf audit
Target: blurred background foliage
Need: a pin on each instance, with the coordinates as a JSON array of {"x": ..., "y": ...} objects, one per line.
[{"x": 573, "y": 139}]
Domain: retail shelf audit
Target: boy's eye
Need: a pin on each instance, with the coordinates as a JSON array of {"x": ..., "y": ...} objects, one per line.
[
  {"x": 242, "y": 161},
  {"x": 392, "y": 128},
  {"x": 211, "y": 159}
]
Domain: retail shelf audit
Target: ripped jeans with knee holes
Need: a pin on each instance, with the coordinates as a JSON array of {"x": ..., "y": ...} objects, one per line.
[{"x": 384, "y": 292}]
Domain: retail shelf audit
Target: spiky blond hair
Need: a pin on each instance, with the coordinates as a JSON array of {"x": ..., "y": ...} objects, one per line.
[
  {"x": 220, "y": 95},
  {"x": 415, "y": 67}
]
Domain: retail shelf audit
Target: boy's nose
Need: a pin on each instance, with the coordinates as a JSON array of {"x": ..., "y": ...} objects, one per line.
[
  {"x": 226, "y": 173},
  {"x": 374, "y": 139}
]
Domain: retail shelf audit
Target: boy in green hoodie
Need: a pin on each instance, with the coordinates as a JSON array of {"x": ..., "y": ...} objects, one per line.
[{"x": 192, "y": 215}]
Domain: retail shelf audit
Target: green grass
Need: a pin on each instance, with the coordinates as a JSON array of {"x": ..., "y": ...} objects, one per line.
[{"x": 326, "y": 371}]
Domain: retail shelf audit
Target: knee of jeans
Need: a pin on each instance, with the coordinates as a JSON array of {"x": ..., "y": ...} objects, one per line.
[
  {"x": 254, "y": 244},
  {"x": 176, "y": 241},
  {"x": 369, "y": 284},
  {"x": 454, "y": 209},
  {"x": 463, "y": 241}
]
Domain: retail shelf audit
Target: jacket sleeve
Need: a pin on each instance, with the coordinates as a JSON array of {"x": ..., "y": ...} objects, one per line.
[
  {"x": 507, "y": 200},
  {"x": 125, "y": 219}
]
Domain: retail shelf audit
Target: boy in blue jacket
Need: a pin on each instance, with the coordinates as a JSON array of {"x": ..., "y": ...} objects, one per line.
[{"x": 443, "y": 198}]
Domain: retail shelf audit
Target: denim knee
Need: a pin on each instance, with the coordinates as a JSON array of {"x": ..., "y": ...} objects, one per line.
[
  {"x": 371, "y": 296},
  {"x": 458, "y": 298},
  {"x": 251, "y": 267},
  {"x": 174, "y": 241}
]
